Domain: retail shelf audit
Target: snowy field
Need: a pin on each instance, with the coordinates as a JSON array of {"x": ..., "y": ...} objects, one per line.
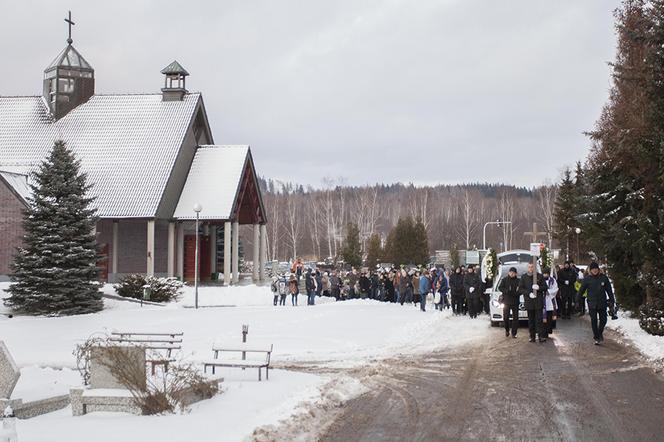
[{"x": 330, "y": 334}]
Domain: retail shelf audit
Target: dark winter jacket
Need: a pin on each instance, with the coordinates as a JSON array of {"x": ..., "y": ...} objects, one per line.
[
  {"x": 443, "y": 285},
  {"x": 509, "y": 287},
  {"x": 599, "y": 287},
  {"x": 566, "y": 280},
  {"x": 293, "y": 288},
  {"x": 472, "y": 280},
  {"x": 365, "y": 284},
  {"x": 310, "y": 283},
  {"x": 456, "y": 284},
  {"x": 526, "y": 288}
]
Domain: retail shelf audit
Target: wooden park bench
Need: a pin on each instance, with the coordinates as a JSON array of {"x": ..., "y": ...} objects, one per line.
[
  {"x": 163, "y": 345},
  {"x": 262, "y": 361}
]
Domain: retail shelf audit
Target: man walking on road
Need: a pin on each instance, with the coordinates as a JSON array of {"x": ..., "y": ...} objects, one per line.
[
  {"x": 509, "y": 289},
  {"x": 533, "y": 289},
  {"x": 599, "y": 288},
  {"x": 473, "y": 286},
  {"x": 566, "y": 280}
]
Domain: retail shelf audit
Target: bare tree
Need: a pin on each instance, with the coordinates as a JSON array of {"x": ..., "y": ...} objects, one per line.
[
  {"x": 469, "y": 222},
  {"x": 506, "y": 213},
  {"x": 546, "y": 197},
  {"x": 293, "y": 226},
  {"x": 419, "y": 205}
]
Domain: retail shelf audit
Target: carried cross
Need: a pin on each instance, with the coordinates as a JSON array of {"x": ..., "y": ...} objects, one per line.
[
  {"x": 534, "y": 234},
  {"x": 71, "y": 23}
]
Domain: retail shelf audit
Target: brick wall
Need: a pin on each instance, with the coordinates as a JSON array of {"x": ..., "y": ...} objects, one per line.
[
  {"x": 132, "y": 245},
  {"x": 11, "y": 230}
]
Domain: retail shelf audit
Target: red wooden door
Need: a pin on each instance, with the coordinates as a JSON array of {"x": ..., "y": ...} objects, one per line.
[
  {"x": 203, "y": 254},
  {"x": 102, "y": 264}
]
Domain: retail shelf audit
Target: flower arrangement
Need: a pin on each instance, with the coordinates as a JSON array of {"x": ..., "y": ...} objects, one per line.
[{"x": 490, "y": 264}]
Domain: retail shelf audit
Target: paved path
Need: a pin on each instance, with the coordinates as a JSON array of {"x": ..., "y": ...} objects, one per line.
[{"x": 509, "y": 389}]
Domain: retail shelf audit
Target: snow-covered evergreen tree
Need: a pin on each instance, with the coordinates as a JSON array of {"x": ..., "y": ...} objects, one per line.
[
  {"x": 55, "y": 272},
  {"x": 566, "y": 210}
]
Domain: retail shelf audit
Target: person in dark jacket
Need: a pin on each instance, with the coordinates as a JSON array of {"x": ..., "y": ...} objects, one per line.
[
  {"x": 375, "y": 284},
  {"x": 599, "y": 297},
  {"x": 310, "y": 285},
  {"x": 473, "y": 286},
  {"x": 486, "y": 296},
  {"x": 456, "y": 285},
  {"x": 389, "y": 287},
  {"x": 566, "y": 281},
  {"x": 335, "y": 285},
  {"x": 533, "y": 289},
  {"x": 509, "y": 297},
  {"x": 365, "y": 285}
]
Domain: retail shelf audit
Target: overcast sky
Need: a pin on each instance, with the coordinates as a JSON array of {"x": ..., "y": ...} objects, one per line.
[{"x": 421, "y": 91}]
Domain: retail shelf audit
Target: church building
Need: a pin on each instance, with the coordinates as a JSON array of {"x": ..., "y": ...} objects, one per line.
[{"x": 150, "y": 159}]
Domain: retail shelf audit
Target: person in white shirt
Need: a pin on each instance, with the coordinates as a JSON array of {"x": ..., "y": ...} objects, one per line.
[{"x": 550, "y": 303}]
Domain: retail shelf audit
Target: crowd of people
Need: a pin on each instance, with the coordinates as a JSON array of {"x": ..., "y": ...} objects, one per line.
[
  {"x": 461, "y": 290},
  {"x": 546, "y": 296}
]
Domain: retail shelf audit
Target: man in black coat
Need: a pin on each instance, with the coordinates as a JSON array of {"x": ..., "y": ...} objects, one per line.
[
  {"x": 533, "y": 289},
  {"x": 599, "y": 289},
  {"x": 509, "y": 289},
  {"x": 310, "y": 285},
  {"x": 566, "y": 280},
  {"x": 473, "y": 286},
  {"x": 456, "y": 286}
]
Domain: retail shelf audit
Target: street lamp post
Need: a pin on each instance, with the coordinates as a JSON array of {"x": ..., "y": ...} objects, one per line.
[
  {"x": 497, "y": 222},
  {"x": 197, "y": 209},
  {"x": 578, "y": 231}
]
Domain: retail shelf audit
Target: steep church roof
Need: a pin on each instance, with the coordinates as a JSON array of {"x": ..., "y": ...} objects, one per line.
[
  {"x": 214, "y": 181},
  {"x": 127, "y": 144}
]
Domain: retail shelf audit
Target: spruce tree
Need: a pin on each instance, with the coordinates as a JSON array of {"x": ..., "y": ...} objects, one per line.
[
  {"x": 565, "y": 212},
  {"x": 609, "y": 187},
  {"x": 407, "y": 243},
  {"x": 352, "y": 251},
  {"x": 55, "y": 272},
  {"x": 374, "y": 251},
  {"x": 420, "y": 244}
]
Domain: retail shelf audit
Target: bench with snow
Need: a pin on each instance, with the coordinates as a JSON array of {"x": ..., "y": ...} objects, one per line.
[
  {"x": 163, "y": 345},
  {"x": 260, "y": 361}
]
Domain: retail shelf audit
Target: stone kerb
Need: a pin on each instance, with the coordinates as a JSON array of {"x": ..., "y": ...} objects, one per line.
[{"x": 9, "y": 372}]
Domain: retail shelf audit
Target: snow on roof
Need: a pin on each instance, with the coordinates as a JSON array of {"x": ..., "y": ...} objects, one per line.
[
  {"x": 212, "y": 182},
  {"x": 18, "y": 182},
  {"x": 127, "y": 144}
]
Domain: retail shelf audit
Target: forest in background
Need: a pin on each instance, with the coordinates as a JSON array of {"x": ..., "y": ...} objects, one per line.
[{"x": 311, "y": 222}]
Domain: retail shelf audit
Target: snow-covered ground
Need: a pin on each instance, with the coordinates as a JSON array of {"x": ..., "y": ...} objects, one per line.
[
  {"x": 330, "y": 334},
  {"x": 652, "y": 347}
]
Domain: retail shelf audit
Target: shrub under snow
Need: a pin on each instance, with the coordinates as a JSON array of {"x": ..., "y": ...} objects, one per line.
[
  {"x": 652, "y": 317},
  {"x": 162, "y": 289}
]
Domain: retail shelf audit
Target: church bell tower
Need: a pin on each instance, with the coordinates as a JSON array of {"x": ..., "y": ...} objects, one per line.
[{"x": 69, "y": 80}]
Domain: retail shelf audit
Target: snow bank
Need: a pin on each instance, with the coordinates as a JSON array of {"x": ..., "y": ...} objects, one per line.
[
  {"x": 231, "y": 416},
  {"x": 652, "y": 347}
]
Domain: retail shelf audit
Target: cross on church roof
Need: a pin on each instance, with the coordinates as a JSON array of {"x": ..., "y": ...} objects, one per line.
[{"x": 71, "y": 23}]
